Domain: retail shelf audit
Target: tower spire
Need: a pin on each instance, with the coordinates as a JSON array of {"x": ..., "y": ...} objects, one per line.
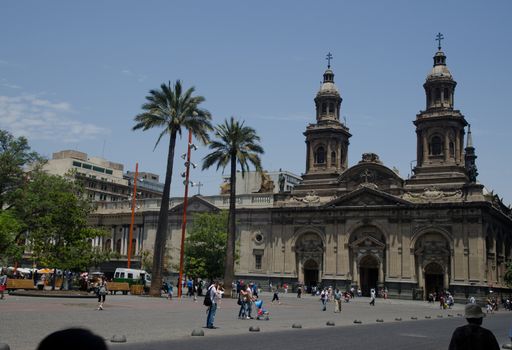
[
  {"x": 439, "y": 37},
  {"x": 469, "y": 140},
  {"x": 328, "y": 58}
]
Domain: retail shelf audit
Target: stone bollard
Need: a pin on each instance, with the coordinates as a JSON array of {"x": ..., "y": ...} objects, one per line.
[
  {"x": 379, "y": 320},
  {"x": 414, "y": 318},
  {"x": 504, "y": 346},
  {"x": 118, "y": 339},
  {"x": 254, "y": 329},
  {"x": 358, "y": 321},
  {"x": 398, "y": 319},
  {"x": 428, "y": 317},
  {"x": 296, "y": 325},
  {"x": 197, "y": 333},
  {"x": 4, "y": 346},
  {"x": 329, "y": 323}
]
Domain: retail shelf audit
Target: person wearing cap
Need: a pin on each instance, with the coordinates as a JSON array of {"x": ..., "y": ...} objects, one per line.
[{"x": 473, "y": 336}]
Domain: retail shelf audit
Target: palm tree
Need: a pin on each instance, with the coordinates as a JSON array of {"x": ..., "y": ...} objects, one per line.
[
  {"x": 172, "y": 110},
  {"x": 235, "y": 143}
]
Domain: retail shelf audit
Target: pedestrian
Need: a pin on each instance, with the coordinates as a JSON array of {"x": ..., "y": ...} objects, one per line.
[
  {"x": 276, "y": 296},
  {"x": 169, "y": 290},
  {"x": 213, "y": 295},
  {"x": 285, "y": 286},
  {"x": 372, "y": 297},
  {"x": 3, "y": 283},
  {"x": 473, "y": 336},
  {"x": 337, "y": 300},
  {"x": 242, "y": 314},
  {"x": 299, "y": 291},
  {"x": 323, "y": 299},
  {"x": 248, "y": 302},
  {"x": 102, "y": 292}
]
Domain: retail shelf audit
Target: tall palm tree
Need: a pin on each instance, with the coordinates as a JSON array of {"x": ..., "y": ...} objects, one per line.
[
  {"x": 171, "y": 109},
  {"x": 234, "y": 143}
]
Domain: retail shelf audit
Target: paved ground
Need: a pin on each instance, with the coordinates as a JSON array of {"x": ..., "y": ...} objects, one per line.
[{"x": 25, "y": 321}]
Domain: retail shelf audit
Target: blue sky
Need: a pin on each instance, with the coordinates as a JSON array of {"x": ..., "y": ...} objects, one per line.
[{"x": 74, "y": 74}]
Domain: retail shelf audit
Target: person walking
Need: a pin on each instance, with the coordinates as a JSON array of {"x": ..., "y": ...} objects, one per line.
[
  {"x": 3, "y": 283},
  {"x": 323, "y": 299},
  {"x": 242, "y": 295},
  {"x": 299, "y": 291},
  {"x": 213, "y": 295},
  {"x": 473, "y": 336},
  {"x": 372, "y": 297},
  {"x": 276, "y": 296},
  {"x": 102, "y": 293},
  {"x": 337, "y": 300}
]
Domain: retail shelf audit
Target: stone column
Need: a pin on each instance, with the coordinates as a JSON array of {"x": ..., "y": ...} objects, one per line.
[
  {"x": 355, "y": 273},
  {"x": 381, "y": 272},
  {"x": 425, "y": 147},
  {"x": 446, "y": 147},
  {"x": 328, "y": 155},
  {"x": 446, "y": 279}
]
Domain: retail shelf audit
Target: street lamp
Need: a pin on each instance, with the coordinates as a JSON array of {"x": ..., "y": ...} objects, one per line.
[{"x": 188, "y": 163}]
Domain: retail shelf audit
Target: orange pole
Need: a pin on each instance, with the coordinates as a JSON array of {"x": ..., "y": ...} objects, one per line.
[
  {"x": 134, "y": 201},
  {"x": 184, "y": 221}
]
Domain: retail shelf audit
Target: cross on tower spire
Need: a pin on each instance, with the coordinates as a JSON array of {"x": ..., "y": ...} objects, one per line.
[
  {"x": 439, "y": 37},
  {"x": 329, "y": 58}
]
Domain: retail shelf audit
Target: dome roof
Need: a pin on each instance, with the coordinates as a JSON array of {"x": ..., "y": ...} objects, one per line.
[
  {"x": 440, "y": 72},
  {"x": 328, "y": 88}
]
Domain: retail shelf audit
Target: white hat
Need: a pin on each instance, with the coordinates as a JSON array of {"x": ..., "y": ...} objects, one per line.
[{"x": 473, "y": 311}]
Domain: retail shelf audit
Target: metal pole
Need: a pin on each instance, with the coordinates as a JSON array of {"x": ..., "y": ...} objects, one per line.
[
  {"x": 184, "y": 221},
  {"x": 134, "y": 200}
]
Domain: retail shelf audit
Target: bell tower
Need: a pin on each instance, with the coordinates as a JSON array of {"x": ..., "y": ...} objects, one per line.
[
  {"x": 327, "y": 140},
  {"x": 439, "y": 131}
]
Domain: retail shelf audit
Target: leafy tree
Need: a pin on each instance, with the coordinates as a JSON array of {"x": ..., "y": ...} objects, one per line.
[
  {"x": 54, "y": 212},
  {"x": 10, "y": 229},
  {"x": 15, "y": 155},
  {"x": 205, "y": 246},
  {"x": 171, "y": 109},
  {"x": 235, "y": 143}
]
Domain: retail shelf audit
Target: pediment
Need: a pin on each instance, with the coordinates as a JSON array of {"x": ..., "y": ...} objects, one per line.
[
  {"x": 374, "y": 174},
  {"x": 367, "y": 241},
  {"x": 366, "y": 196},
  {"x": 196, "y": 204}
]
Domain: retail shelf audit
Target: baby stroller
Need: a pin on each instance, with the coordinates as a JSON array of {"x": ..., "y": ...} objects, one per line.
[{"x": 263, "y": 314}]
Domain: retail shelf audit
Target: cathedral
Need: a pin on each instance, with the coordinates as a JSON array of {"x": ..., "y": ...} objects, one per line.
[{"x": 363, "y": 225}]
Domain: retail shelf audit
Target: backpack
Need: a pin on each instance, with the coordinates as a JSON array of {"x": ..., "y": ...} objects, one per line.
[
  {"x": 102, "y": 290},
  {"x": 207, "y": 298}
]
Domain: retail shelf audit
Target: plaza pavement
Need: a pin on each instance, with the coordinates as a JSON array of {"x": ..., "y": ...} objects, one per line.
[{"x": 25, "y": 321}]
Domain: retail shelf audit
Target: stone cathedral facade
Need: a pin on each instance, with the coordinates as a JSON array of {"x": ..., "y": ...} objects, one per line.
[{"x": 363, "y": 225}]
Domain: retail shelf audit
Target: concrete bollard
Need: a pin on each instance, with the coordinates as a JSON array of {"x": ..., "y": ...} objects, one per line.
[
  {"x": 296, "y": 325},
  {"x": 197, "y": 333},
  {"x": 428, "y": 317},
  {"x": 398, "y": 319},
  {"x": 4, "y": 346},
  {"x": 414, "y": 318},
  {"x": 506, "y": 346},
  {"x": 329, "y": 323},
  {"x": 254, "y": 329},
  {"x": 358, "y": 321},
  {"x": 118, "y": 339},
  {"x": 379, "y": 320}
]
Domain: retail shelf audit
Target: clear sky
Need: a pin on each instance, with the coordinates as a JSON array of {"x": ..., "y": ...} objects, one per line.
[{"x": 73, "y": 74}]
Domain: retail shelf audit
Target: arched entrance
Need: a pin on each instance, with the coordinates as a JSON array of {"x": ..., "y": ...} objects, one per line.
[
  {"x": 368, "y": 274},
  {"x": 310, "y": 273},
  {"x": 434, "y": 278}
]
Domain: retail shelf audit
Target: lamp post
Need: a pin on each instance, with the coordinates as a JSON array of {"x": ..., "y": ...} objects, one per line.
[
  {"x": 185, "y": 203},
  {"x": 134, "y": 200}
]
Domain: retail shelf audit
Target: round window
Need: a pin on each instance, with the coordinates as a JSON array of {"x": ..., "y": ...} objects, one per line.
[{"x": 258, "y": 237}]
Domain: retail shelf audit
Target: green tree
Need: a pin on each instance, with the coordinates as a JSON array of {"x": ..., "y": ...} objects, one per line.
[
  {"x": 205, "y": 246},
  {"x": 53, "y": 211},
  {"x": 173, "y": 110},
  {"x": 15, "y": 155},
  {"x": 11, "y": 249},
  {"x": 235, "y": 143}
]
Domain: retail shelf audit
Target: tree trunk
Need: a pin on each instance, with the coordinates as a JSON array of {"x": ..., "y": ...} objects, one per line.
[
  {"x": 163, "y": 217},
  {"x": 229, "y": 269}
]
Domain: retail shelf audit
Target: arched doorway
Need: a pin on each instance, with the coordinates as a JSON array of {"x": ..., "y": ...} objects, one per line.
[
  {"x": 310, "y": 273},
  {"x": 368, "y": 274},
  {"x": 434, "y": 278}
]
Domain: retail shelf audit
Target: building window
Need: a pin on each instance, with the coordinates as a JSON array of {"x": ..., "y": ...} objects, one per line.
[
  {"x": 86, "y": 166},
  {"x": 257, "y": 262},
  {"x": 118, "y": 246},
  {"x": 333, "y": 158},
  {"x": 436, "y": 146},
  {"x": 77, "y": 164},
  {"x": 452, "y": 149},
  {"x": 446, "y": 96},
  {"x": 98, "y": 169},
  {"x": 320, "y": 155},
  {"x": 324, "y": 108},
  {"x": 108, "y": 171},
  {"x": 107, "y": 245},
  {"x": 438, "y": 95}
]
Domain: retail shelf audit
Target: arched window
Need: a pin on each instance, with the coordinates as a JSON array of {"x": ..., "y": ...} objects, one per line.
[
  {"x": 436, "y": 146},
  {"x": 320, "y": 155},
  {"x": 324, "y": 108},
  {"x": 452, "y": 149},
  {"x": 333, "y": 158},
  {"x": 107, "y": 245},
  {"x": 446, "y": 96},
  {"x": 118, "y": 246},
  {"x": 331, "y": 108},
  {"x": 438, "y": 95}
]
